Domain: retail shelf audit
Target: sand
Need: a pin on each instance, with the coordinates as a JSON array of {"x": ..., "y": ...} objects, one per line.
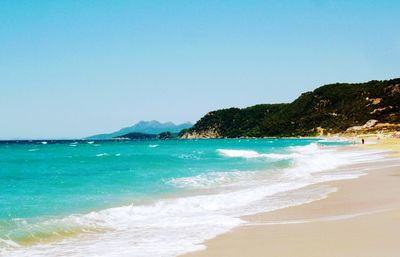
[{"x": 361, "y": 219}]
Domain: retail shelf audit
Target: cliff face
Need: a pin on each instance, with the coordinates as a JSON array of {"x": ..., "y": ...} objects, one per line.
[
  {"x": 211, "y": 133},
  {"x": 329, "y": 109}
]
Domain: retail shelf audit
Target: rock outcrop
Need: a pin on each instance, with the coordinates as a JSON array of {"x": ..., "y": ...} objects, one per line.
[
  {"x": 211, "y": 133},
  {"x": 368, "y": 124}
]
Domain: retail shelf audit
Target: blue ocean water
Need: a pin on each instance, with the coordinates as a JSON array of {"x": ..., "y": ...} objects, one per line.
[{"x": 61, "y": 195}]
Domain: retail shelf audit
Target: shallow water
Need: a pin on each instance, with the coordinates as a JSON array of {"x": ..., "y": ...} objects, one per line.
[{"x": 152, "y": 198}]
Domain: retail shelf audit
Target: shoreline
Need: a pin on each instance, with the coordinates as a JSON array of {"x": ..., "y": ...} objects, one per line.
[
  {"x": 362, "y": 218},
  {"x": 235, "y": 232}
]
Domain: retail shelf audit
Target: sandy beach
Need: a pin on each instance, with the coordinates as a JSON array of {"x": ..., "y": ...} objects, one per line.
[{"x": 360, "y": 219}]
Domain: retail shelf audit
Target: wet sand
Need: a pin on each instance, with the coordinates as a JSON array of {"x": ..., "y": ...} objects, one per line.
[{"x": 360, "y": 219}]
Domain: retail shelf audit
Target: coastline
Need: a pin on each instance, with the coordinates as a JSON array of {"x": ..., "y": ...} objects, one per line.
[
  {"x": 310, "y": 172},
  {"x": 360, "y": 219}
]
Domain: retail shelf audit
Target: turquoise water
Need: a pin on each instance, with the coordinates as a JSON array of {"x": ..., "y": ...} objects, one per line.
[
  {"x": 63, "y": 178},
  {"x": 54, "y": 189}
]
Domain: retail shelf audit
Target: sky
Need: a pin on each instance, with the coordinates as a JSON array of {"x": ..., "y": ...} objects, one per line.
[{"x": 69, "y": 69}]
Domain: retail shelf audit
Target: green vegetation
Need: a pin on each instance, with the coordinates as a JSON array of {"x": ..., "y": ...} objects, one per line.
[
  {"x": 144, "y": 136},
  {"x": 334, "y": 108}
]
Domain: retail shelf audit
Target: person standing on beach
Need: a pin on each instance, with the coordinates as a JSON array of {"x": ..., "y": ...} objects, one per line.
[{"x": 362, "y": 140}]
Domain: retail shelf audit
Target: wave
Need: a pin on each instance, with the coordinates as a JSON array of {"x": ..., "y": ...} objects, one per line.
[
  {"x": 212, "y": 179},
  {"x": 308, "y": 159},
  {"x": 8, "y": 243},
  {"x": 194, "y": 155},
  {"x": 249, "y": 154},
  {"x": 314, "y": 158},
  {"x": 165, "y": 228},
  {"x": 169, "y": 227},
  {"x": 334, "y": 140},
  {"x": 238, "y": 153},
  {"x": 102, "y": 154},
  {"x": 310, "y": 148}
]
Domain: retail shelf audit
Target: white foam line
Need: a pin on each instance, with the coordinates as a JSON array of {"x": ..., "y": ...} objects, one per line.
[
  {"x": 187, "y": 221},
  {"x": 328, "y": 218}
]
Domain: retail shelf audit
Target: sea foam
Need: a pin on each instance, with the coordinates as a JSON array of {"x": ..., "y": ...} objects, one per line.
[
  {"x": 248, "y": 154},
  {"x": 169, "y": 227}
]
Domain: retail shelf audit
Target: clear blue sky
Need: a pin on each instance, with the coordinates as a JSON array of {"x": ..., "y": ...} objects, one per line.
[{"x": 76, "y": 68}]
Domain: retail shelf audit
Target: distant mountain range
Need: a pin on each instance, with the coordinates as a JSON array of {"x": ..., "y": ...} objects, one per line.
[{"x": 146, "y": 127}]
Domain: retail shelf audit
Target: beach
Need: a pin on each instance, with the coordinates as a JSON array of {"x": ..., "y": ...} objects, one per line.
[
  {"x": 200, "y": 129},
  {"x": 360, "y": 219},
  {"x": 228, "y": 197}
]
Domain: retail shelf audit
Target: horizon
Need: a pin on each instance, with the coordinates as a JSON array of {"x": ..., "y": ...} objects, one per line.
[
  {"x": 106, "y": 132},
  {"x": 75, "y": 69}
]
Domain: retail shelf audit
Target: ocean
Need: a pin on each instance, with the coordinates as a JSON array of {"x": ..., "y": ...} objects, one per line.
[{"x": 154, "y": 198}]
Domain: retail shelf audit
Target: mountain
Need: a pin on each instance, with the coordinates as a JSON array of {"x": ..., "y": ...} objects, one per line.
[
  {"x": 146, "y": 127},
  {"x": 332, "y": 108}
]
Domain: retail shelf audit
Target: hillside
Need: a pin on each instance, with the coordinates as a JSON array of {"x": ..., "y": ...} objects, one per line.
[
  {"x": 145, "y": 127},
  {"x": 143, "y": 136},
  {"x": 331, "y": 108}
]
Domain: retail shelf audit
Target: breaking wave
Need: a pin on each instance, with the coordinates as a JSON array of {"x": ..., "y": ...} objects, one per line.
[{"x": 173, "y": 226}]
